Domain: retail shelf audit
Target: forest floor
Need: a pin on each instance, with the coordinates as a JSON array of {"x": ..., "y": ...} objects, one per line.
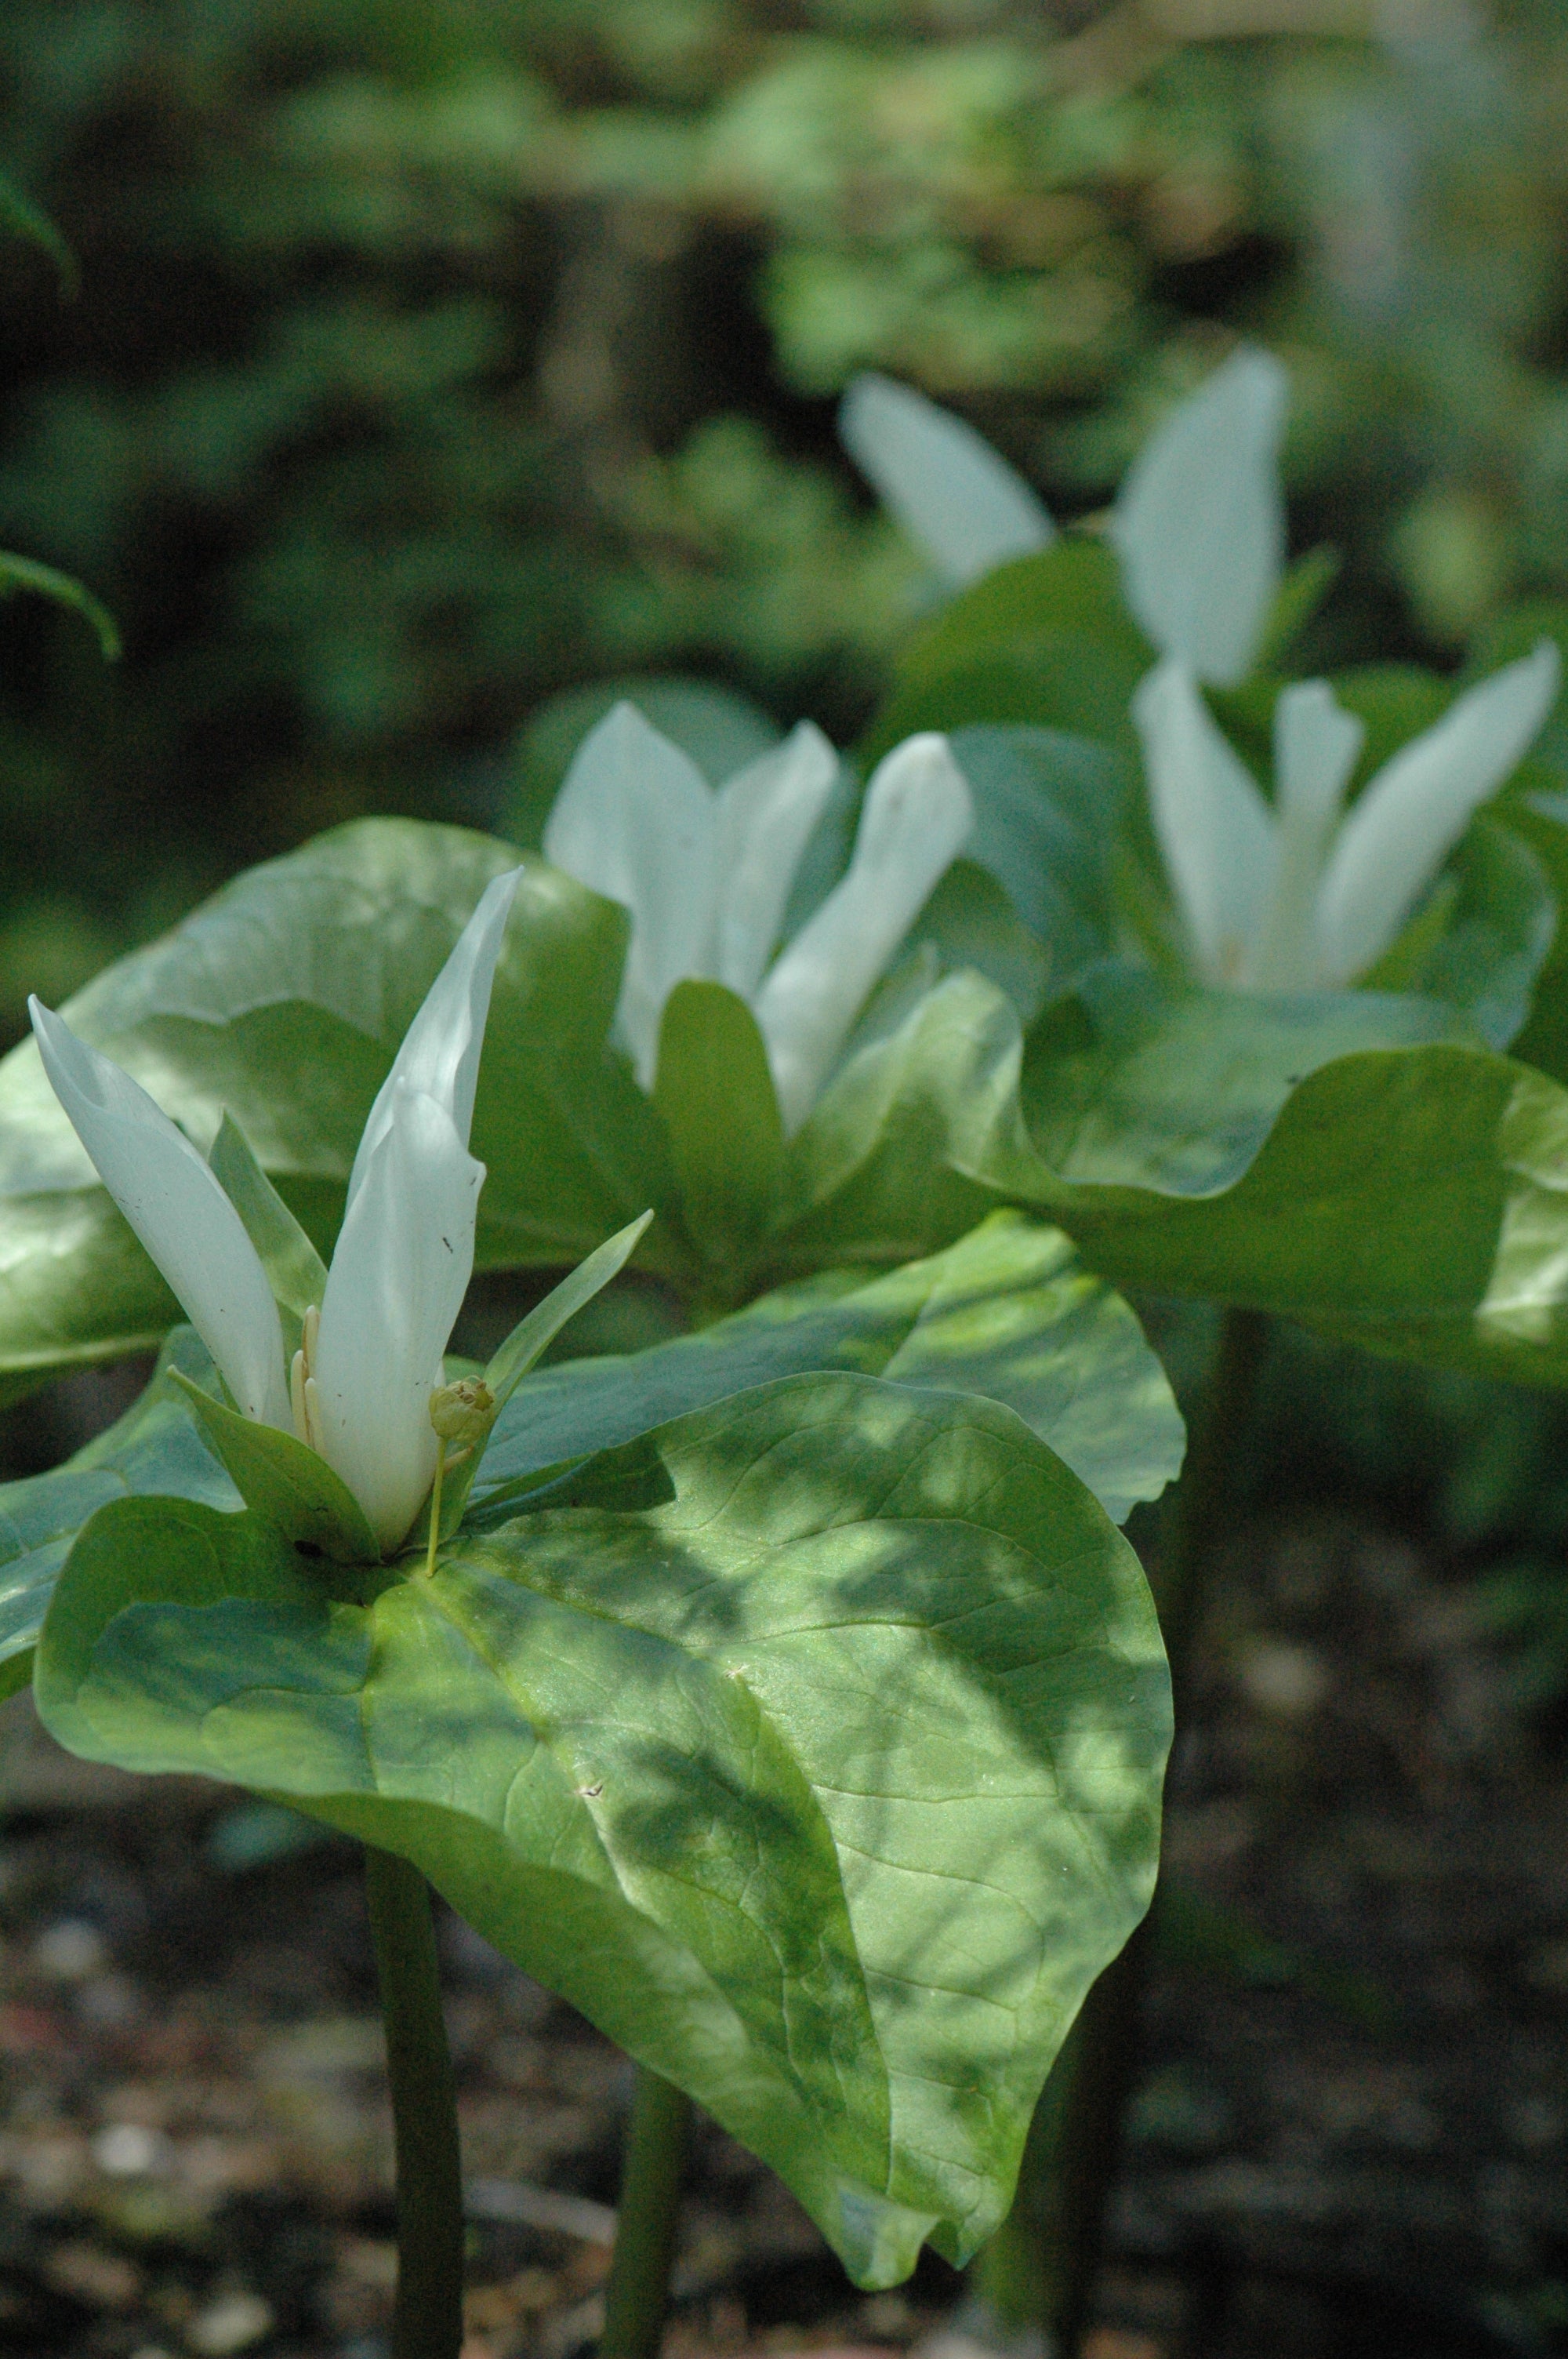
[{"x": 1350, "y": 2130}]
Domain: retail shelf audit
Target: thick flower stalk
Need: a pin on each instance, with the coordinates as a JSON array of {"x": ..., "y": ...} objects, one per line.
[
  {"x": 359, "y": 1388},
  {"x": 1302, "y": 894},
  {"x": 1198, "y": 524},
  {"x": 706, "y": 877}
]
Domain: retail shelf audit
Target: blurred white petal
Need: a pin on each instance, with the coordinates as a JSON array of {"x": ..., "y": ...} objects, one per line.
[
  {"x": 1419, "y": 805},
  {"x": 917, "y": 815},
  {"x": 1316, "y": 743},
  {"x": 1215, "y": 831},
  {"x": 440, "y": 1049},
  {"x": 179, "y": 1212},
  {"x": 954, "y": 495},
  {"x": 766, "y": 813},
  {"x": 401, "y": 1266},
  {"x": 1200, "y": 521},
  {"x": 635, "y": 820}
]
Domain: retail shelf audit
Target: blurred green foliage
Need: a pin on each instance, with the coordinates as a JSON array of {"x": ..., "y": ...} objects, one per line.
[{"x": 429, "y": 360}]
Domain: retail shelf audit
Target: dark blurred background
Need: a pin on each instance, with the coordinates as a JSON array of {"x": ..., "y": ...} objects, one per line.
[{"x": 429, "y": 359}]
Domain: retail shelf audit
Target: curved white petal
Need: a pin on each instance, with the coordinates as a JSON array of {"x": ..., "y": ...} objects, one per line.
[
  {"x": 766, "y": 813},
  {"x": 440, "y": 1049},
  {"x": 635, "y": 820},
  {"x": 1315, "y": 746},
  {"x": 401, "y": 1269},
  {"x": 1200, "y": 522},
  {"x": 917, "y": 815},
  {"x": 949, "y": 490},
  {"x": 1215, "y": 831},
  {"x": 1420, "y": 804},
  {"x": 179, "y": 1212}
]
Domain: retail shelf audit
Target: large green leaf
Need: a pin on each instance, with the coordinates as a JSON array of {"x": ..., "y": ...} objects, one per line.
[
  {"x": 1010, "y": 1311},
  {"x": 870, "y": 1177},
  {"x": 1044, "y": 640},
  {"x": 1131, "y": 1082},
  {"x": 282, "y": 1002},
  {"x": 1411, "y": 1199},
  {"x": 156, "y": 1446},
  {"x": 825, "y": 1778}
]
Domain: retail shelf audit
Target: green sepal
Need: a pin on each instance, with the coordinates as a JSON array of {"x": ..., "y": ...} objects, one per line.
[
  {"x": 1306, "y": 585},
  {"x": 295, "y": 1270},
  {"x": 533, "y": 1335},
  {"x": 715, "y": 1092},
  {"x": 722, "y": 1770},
  {"x": 526, "y": 1345},
  {"x": 284, "y": 1483},
  {"x": 1483, "y": 938}
]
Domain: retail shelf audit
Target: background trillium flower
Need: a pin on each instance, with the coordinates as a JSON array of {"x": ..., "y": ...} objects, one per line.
[
  {"x": 1299, "y": 896},
  {"x": 372, "y": 1355},
  {"x": 705, "y": 877},
  {"x": 949, "y": 490},
  {"x": 1199, "y": 523}
]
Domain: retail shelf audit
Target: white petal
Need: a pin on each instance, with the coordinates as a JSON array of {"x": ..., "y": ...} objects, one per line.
[
  {"x": 635, "y": 820},
  {"x": 179, "y": 1212},
  {"x": 1315, "y": 746},
  {"x": 1420, "y": 804},
  {"x": 1200, "y": 521},
  {"x": 766, "y": 813},
  {"x": 402, "y": 1262},
  {"x": 1215, "y": 831},
  {"x": 440, "y": 1049},
  {"x": 917, "y": 815},
  {"x": 949, "y": 490}
]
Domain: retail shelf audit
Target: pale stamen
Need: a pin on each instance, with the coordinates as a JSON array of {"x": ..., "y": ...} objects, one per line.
[{"x": 302, "y": 1395}]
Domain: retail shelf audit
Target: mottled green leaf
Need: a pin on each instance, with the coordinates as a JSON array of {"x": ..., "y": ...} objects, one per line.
[
  {"x": 825, "y": 1787},
  {"x": 1010, "y": 1311}
]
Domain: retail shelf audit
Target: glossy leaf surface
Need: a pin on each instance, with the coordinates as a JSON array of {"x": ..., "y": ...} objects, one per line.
[
  {"x": 822, "y": 1774},
  {"x": 1010, "y": 1311}
]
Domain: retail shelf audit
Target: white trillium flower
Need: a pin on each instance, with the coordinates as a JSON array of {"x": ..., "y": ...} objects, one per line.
[
  {"x": 359, "y": 1392},
  {"x": 1301, "y": 895},
  {"x": 1198, "y": 525},
  {"x": 705, "y": 877}
]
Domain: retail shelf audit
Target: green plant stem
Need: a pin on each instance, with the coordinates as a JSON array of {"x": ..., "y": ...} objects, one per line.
[
  {"x": 1043, "y": 2264},
  {"x": 637, "y": 2294},
  {"x": 428, "y": 2319}
]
